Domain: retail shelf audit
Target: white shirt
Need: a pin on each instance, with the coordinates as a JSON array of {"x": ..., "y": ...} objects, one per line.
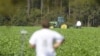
[
  {"x": 78, "y": 23},
  {"x": 44, "y": 39}
]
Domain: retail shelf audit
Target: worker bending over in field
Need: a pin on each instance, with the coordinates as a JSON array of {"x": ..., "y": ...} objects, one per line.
[
  {"x": 45, "y": 40},
  {"x": 78, "y": 24}
]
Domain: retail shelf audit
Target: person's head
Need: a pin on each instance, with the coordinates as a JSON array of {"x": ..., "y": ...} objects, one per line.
[{"x": 45, "y": 23}]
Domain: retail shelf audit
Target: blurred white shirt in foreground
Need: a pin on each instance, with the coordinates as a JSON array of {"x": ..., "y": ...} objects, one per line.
[{"x": 44, "y": 39}]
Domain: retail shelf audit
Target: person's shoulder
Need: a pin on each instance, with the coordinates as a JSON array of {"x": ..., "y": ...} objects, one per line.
[
  {"x": 37, "y": 31},
  {"x": 45, "y": 30},
  {"x": 53, "y": 31}
]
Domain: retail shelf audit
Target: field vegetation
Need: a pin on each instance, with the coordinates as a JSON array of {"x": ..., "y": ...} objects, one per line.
[{"x": 78, "y": 42}]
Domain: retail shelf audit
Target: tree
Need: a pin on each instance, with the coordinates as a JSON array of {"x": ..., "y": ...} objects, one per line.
[
  {"x": 9, "y": 8},
  {"x": 28, "y": 8}
]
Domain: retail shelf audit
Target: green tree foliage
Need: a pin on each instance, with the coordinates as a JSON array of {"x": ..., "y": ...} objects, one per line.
[
  {"x": 9, "y": 7},
  {"x": 16, "y": 11},
  {"x": 83, "y": 10}
]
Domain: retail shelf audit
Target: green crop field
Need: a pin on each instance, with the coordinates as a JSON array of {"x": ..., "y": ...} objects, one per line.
[{"x": 78, "y": 42}]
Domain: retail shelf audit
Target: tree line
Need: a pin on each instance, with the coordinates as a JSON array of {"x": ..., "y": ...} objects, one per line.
[{"x": 30, "y": 12}]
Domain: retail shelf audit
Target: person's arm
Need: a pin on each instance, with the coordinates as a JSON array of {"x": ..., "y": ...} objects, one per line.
[
  {"x": 58, "y": 40},
  {"x": 32, "y": 41},
  {"x": 32, "y": 46},
  {"x": 57, "y": 44}
]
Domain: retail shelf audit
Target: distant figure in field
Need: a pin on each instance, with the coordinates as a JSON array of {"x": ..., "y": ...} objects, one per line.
[
  {"x": 45, "y": 40},
  {"x": 78, "y": 24}
]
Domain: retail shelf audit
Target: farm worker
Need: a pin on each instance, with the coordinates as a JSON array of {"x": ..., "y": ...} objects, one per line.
[
  {"x": 78, "y": 24},
  {"x": 45, "y": 40}
]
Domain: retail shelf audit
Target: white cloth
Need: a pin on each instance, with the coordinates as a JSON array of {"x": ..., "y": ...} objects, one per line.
[
  {"x": 44, "y": 39},
  {"x": 78, "y": 23}
]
